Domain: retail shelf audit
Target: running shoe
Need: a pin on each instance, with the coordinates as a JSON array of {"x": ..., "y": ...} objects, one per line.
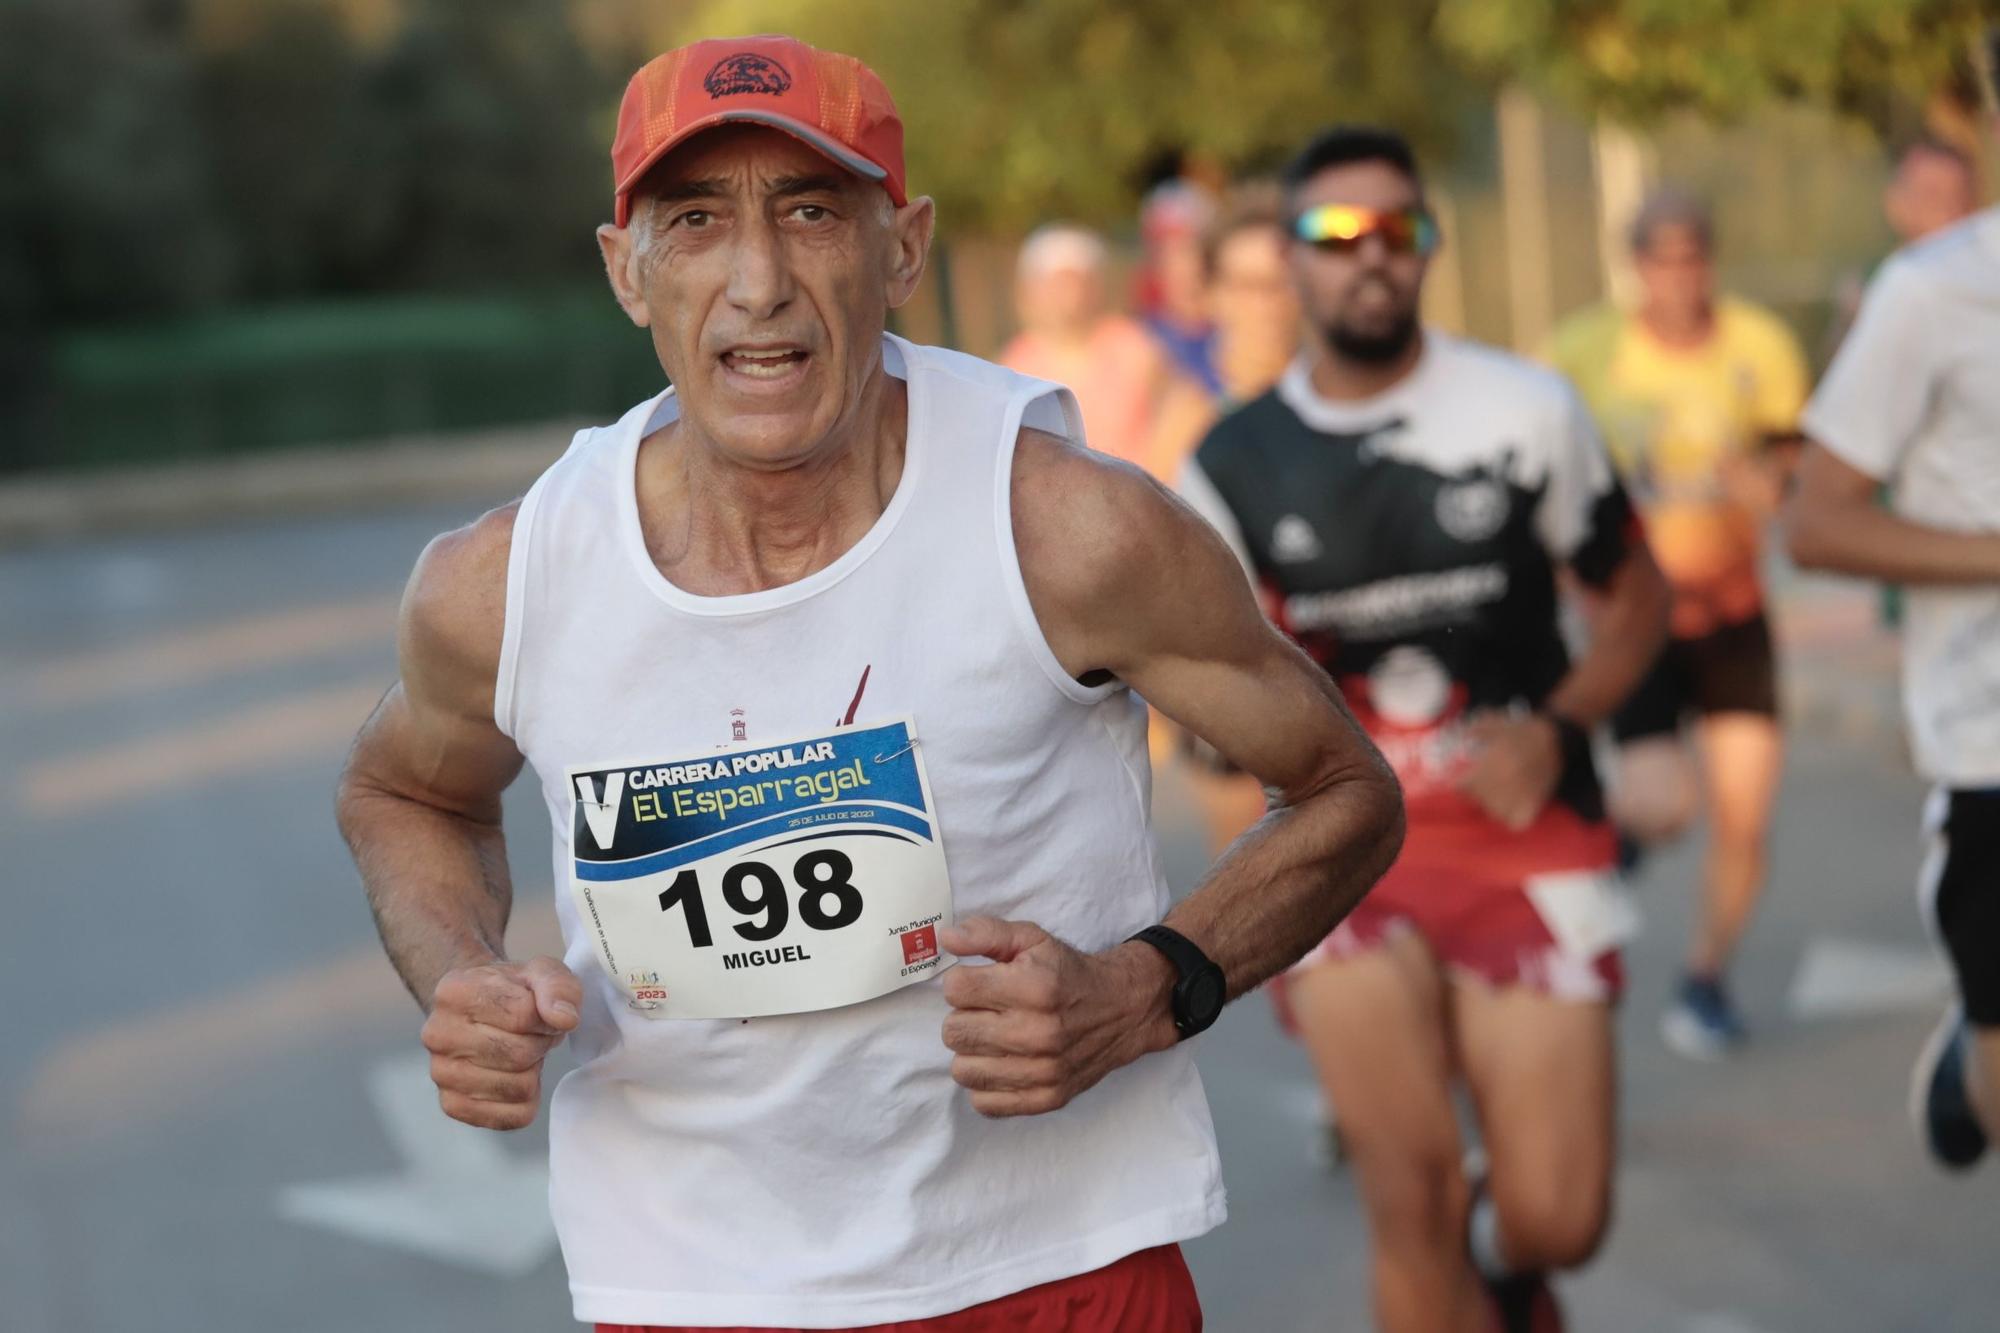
[
  {"x": 1701, "y": 1023},
  {"x": 1523, "y": 1303},
  {"x": 1939, "y": 1105}
]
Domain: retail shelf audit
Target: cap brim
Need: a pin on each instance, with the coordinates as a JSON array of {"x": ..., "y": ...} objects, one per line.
[{"x": 806, "y": 134}]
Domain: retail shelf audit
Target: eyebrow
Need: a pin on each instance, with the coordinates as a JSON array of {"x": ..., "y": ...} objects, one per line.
[{"x": 824, "y": 182}]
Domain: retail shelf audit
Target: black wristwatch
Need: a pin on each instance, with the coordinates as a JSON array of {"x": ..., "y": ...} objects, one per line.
[{"x": 1201, "y": 990}]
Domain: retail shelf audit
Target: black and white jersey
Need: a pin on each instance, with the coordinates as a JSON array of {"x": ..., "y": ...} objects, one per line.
[{"x": 1410, "y": 543}]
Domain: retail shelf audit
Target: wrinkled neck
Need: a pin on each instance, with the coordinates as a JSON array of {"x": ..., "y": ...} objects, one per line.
[{"x": 717, "y": 527}]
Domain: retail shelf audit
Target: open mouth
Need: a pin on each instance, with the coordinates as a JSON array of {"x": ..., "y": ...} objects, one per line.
[{"x": 764, "y": 363}]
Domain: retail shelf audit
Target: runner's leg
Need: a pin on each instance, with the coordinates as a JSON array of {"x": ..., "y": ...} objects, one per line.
[
  {"x": 1655, "y": 792},
  {"x": 1543, "y": 1077},
  {"x": 1742, "y": 759},
  {"x": 1984, "y": 1084},
  {"x": 1374, "y": 1025}
]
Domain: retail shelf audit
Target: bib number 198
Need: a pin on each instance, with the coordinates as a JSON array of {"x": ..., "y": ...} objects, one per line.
[{"x": 827, "y": 900}]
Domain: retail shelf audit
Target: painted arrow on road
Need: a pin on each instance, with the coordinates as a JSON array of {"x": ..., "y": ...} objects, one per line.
[
  {"x": 1851, "y": 979},
  {"x": 461, "y": 1198}
]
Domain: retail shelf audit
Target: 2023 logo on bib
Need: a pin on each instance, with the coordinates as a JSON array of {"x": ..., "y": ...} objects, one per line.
[{"x": 763, "y": 879}]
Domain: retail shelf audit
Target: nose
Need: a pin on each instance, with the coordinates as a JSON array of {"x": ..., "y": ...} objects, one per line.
[
  {"x": 760, "y": 277},
  {"x": 1373, "y": 251}
]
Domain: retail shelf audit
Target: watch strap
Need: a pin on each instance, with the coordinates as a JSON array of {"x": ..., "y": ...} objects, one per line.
[{"x": 1181, "y": 951}]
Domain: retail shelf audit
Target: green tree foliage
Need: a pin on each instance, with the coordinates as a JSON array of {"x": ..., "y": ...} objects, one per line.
[
  {"x": 1033, "y": 107},
  {"x": 104, "y": 202},
  {"x": 152, "y": 174},
  {"x": 1636, "y": 59},
  {"x": 1019, "y": 109}
]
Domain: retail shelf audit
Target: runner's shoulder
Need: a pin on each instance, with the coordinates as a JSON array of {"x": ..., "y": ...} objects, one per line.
[
  {"x": 1948, "y": 261},
  {"x": 1745, "y": 323},
  {"x": 1534, "y": 407},
  {"x": 1586, "y": 337},
  {"x": 1085, "y": 522},
  {"x": 454, "y": 609}
]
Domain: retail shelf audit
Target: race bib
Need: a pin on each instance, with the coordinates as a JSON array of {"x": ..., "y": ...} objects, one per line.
[
  {"x": 763, "y": 879},
  {"x": 1587, "y": 911}
]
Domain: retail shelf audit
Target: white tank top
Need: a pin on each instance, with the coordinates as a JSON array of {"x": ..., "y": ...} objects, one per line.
[{"x": 822, "y": 1170}]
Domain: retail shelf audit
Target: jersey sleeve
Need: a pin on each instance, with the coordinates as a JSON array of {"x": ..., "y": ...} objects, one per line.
[
  {"x": 1878, "y": 389},
  {"x": 1200, "y": 492},
  {"x": 1584, "y": 519}
]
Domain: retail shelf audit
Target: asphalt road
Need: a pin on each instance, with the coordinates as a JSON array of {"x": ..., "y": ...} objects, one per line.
[{"x": 207, "y": 1115}]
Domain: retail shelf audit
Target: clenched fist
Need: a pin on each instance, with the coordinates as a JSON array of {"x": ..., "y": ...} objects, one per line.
[
  {"x": 1516, "y": 764},
  {"x": 489, "y": 1030},
  {"x": 1042, "y": 1022}
]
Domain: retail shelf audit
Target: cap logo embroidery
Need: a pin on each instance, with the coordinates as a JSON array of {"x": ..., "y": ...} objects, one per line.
[{"x": 746, "y": 72}]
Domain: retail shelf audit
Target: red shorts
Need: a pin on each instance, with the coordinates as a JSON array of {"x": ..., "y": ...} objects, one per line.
[
  {"x": 1556, "y": 934},
  {"x": 1147, "y": 1292}
]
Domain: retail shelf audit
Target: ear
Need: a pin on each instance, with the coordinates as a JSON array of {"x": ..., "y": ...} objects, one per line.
[
  {"x": 910, "y": 231},
  {"x": 620, "y": 247}
]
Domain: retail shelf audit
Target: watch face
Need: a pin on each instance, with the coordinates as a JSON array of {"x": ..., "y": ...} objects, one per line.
[{"x": 1203, "y": 997}]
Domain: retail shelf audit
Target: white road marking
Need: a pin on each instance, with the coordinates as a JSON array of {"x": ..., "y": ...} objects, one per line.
[
  {"x": 277, "y": 732},
  {"x": 132, "y": 1073},
  {"x": 1721, "y": 1321},
  {"x": 1852, "y": 978},
  {"x": 461, "y": 1198},
  {"x": 211, "y": 651}
]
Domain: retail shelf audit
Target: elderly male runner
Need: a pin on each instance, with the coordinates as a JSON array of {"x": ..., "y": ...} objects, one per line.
[
  {"x": 825, "y": 659},
  {"x": 1404, "y": 499}
]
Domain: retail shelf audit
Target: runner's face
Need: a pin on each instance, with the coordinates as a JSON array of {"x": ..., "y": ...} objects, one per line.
[
  {"x": 1676, "y": 271},
  {"x": 1363, "y": 304},
  {"x": 1061, "y": 302},
  {"x": 1929, "y": 193},
  {"x": 765, "y": 274},
  {"x": 1252, "y": 293}
]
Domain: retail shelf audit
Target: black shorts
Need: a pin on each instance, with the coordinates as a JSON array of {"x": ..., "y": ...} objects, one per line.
[
  {"x": 1960, "y": 893},
  {"x": 1733, "y": 670}
]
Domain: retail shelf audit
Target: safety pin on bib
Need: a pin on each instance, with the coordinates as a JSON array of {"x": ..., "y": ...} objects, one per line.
[{"x": 897, "y": 754}]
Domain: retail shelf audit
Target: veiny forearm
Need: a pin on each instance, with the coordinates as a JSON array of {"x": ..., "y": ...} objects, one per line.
[
  {"x": 1862, "y": 538},
  {"x": 1285, "y": 884},
  {"x": 436, "y": 880},
  {"x": 1625, "y": 637}
]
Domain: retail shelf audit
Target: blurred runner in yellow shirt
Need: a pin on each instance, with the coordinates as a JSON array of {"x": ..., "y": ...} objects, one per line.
[{"x": 1691, "y": 390}]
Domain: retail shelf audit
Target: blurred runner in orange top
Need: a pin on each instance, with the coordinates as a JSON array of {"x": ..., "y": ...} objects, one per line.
[
  {"x": 1117, "y": 370},
  {"x": 1691, "y": 390}
]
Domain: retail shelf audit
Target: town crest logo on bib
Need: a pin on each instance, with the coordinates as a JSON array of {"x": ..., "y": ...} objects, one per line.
[{"x": 767, "y": 878}]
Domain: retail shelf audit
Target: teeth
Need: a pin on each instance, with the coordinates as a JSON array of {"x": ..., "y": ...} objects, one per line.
[{"x": 765, "y": 356}]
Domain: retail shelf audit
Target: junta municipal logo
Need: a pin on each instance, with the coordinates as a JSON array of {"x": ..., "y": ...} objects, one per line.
[
  {"x": 739, "y": 727},
  {"x": 919, "y": 946},
  {"x": 747, "y": 72}
]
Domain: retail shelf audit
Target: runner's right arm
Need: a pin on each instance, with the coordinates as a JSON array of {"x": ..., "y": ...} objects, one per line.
[
  {"x": 419, "y": 805},
  {"x": 1866, "y": 412},
  {"x": 1837, "y": 523}
]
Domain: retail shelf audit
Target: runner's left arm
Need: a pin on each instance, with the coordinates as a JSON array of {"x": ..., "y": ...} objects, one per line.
[
  {"x": 1127, "y": 582},
  {"x": 1587, "y": 523}
]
